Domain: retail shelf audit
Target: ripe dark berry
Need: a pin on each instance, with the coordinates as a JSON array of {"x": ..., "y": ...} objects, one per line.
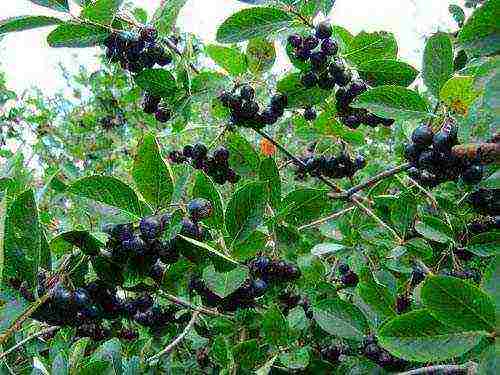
[
  {"x": 259, "y": 288},
  {"x": 187, "y": 151},
  {"x": 417, "y": 276},
  {"x": 323, "y": 30},
  {"x": 150, "y": 103},
  {"x": 350, "y": 279},
  {"x": 411, "y": 153},
  {"x": 318, "y": 60},
  {"x": 473, "y": 174},
  {"x": 310, "y": 114},
  {"x": 303, "y": 54},
  {"x": 62, "y": 296},
  {"x": 135, "y": 246},
  {"x": 444, "y": 141},
  {"x": 463, "y": 254},
  {"x": 310, "y": 43},
  {"x": 247, "y": 92},
  {"x": 422, "y": 136},
  {"x": 232, "y": 176},
  {"x": 329, "y": 47},
  {"x": 164, "y": 59},
  {"x": 149, "y": 227},
  {"x": 356, "y": 88},
  {"x": 344, "y": 268},
  {"x": 221, "y": 155},
  {"x": 149, "y": 34},
  {"x": 200, "y": 151},
  {"x": 340, "y": 73},
  {"x": 249, "y": 109},
  {"x": 121, "y": 232},
  {"x": 360, "y": 162},
  {"x": 157, "y": 271},
  {"x": 163, "y": 115},
  {"x": 81, "y": 297},
  {"x": 199, "y": 209},
  {"x": 260, "y": 264},
  {"x": 295, "y": 40},
  {"x": 331, "y": 353},
  {"x": 190, "y": 229},
  {"x": 326, "y": 82},
  {"x": 352, "y": 121},
  {"x": 403, "y": 303},
  {"x": 309, "y": 80},
  {"x": 279, "y": 101},
  {"x": 268, "y": 116}
]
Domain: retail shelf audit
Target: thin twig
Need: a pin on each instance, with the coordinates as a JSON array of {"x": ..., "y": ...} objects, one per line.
[
  {"x": 425, "y": 191},
  {"x": 373, "y": 180},
  {"x": 327, "y": 218},
  {"x": 468, "y": 368},
  {"x": 29, "y": 338},
  {"x": 177, "y": 340},
  {"x": 174, "y": 48},
  {"x": 188, "y": 305}
]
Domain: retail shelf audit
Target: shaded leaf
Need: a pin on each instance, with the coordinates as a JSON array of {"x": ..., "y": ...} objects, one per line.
[
  {"x": 26, "y": 23},
  {"x": 158, "y": 82},
  {"x": 223, "y": 284},
  {"x": 387, "y": 72},
  {"x": 74, "y": 35},
  {"x": 438, "y": 62}
]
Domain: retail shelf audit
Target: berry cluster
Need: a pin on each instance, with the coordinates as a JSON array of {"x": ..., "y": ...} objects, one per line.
[
  {"x": 136, "y": 53},
  {"x": 245, "y": 111},
  {"x": 289, "y": 301},
  {"x": 216, "y": 165},
  {"x": 381, "y": 356},
  {"x": 354, "y": 117},
  {"x": 243, "y": 297},
  {"x": 347, "y": 276},
  {"x": 273, "y": 270},
  {"x": 331, "y": 353},
  {"x": 486, "y": 201},
  {"x": 432, "y": 160},
  {"x": 333, "y": 166},
  {"x": 474, "y": 228}
]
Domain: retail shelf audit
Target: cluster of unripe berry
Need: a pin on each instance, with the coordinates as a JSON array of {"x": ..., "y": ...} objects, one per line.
[
  {"x": 243, "y": 297},
  {"x": 354, "y": 117},
  {"x": 486, "y": 201},
  {"x": 273, "y": 270},
  {"x": 136, "y": 52},
  {"x": 245, "y": 110},
  {"x": 215, "y": 165},
  {"x": 330, "y": 166},
  {"x": 348, "y": 277},
  {"x": 432, "y": 161}
]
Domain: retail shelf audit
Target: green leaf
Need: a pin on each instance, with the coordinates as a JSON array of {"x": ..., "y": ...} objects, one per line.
[
  {"x": 371, "y": 46},
  {"x": 205, "y": 188},
  {"x": 252, "y": 23},
  {"x": 59, "y": 365},
  {"x": 60, "y": 5},
  {"x": 77, "y": 354},
  {"x": 166, "y": 15},
  {"x": 481, "y": 32},
  {"x": 74, "y": 35},
  {"x": 158, "y": 82},
  {"x": 208, "y": 250},
  {"x": 269, "y": 174},
  {"x": 438, "y": 62},
  {"x": 261, "y": 55},
  {"x": 82, "y": 239},
  {"x": 109, "y": 191},
  {"x": 340, "y": 318},
  {"x": 102, "y": 11},
  {"x": 110, "y": 351},
  {"x": 152, "y": 174},
  {"x": 297, "y": 95},
  {"x": 327, "y": 124},
  {"x": 297, "y": 359},
  {"x": 3, "y": 219},
  {"x": 485, "y": 244},
  {"x": 326, "y": 248},
  {"x": 22, "y": 239},
  {"x": 376, "y": 295},
  {"x": 21, "y": 23},
  {"x": 459, "y": 93},
  {"x": 393, "y": 102},
  {"x": 248, "y": 353},
  {"x": 302, "y": 206},
  {"x": 387, "y": 72},
  {"x": 275, "y": 326},
  {"x": 457, "y": 303},
  {"x": 245, "y": 210},
  {"x": 433, "y": 229},
  {"x": 418, "y": 336},
  {"x": 231, "y": 59},
  {"x": 12, "y": 306},
  {"x": 223, "y": 284},
  {"x": 242, "y": 156}
]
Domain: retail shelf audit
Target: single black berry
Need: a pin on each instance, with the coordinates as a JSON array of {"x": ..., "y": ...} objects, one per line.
[
  {"x": 199, "y": 209},
  {"x": 344, "y": 268},
  {"x": 310, "y": 43},
  {"x": 422, "y": 136},
  {"x": 150, "y": 227},
  {"x": 163, "y": 114},
  {"x": 350, "y": 279},
  {"x": 329, "y": 47},
  {"x": 309, "y": 114},
  {"x": 295, "y": 40},
  {"x": 200, "y": 151},
  {"x": 323, "y": 30},
  {"x": 247, "y": 92}
]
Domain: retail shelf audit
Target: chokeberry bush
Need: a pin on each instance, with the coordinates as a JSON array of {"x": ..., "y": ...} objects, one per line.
[{"x": 187, "y": 209}]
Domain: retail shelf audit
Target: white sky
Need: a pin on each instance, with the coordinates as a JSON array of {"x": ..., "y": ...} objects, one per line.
[{"x": 30, "y": 62}]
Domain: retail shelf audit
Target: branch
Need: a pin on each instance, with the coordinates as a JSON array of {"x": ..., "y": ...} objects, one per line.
[
  {"x": 174, "y": 48},
  {"x": 177, "y": 340},
  {"x": 327, "y": 218},
  {"x": 373, "y": 180},
  {"x": 200, "y": 309},
  {"x": 29, "y": 338},
  {"x": 469, "y": 368}
]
